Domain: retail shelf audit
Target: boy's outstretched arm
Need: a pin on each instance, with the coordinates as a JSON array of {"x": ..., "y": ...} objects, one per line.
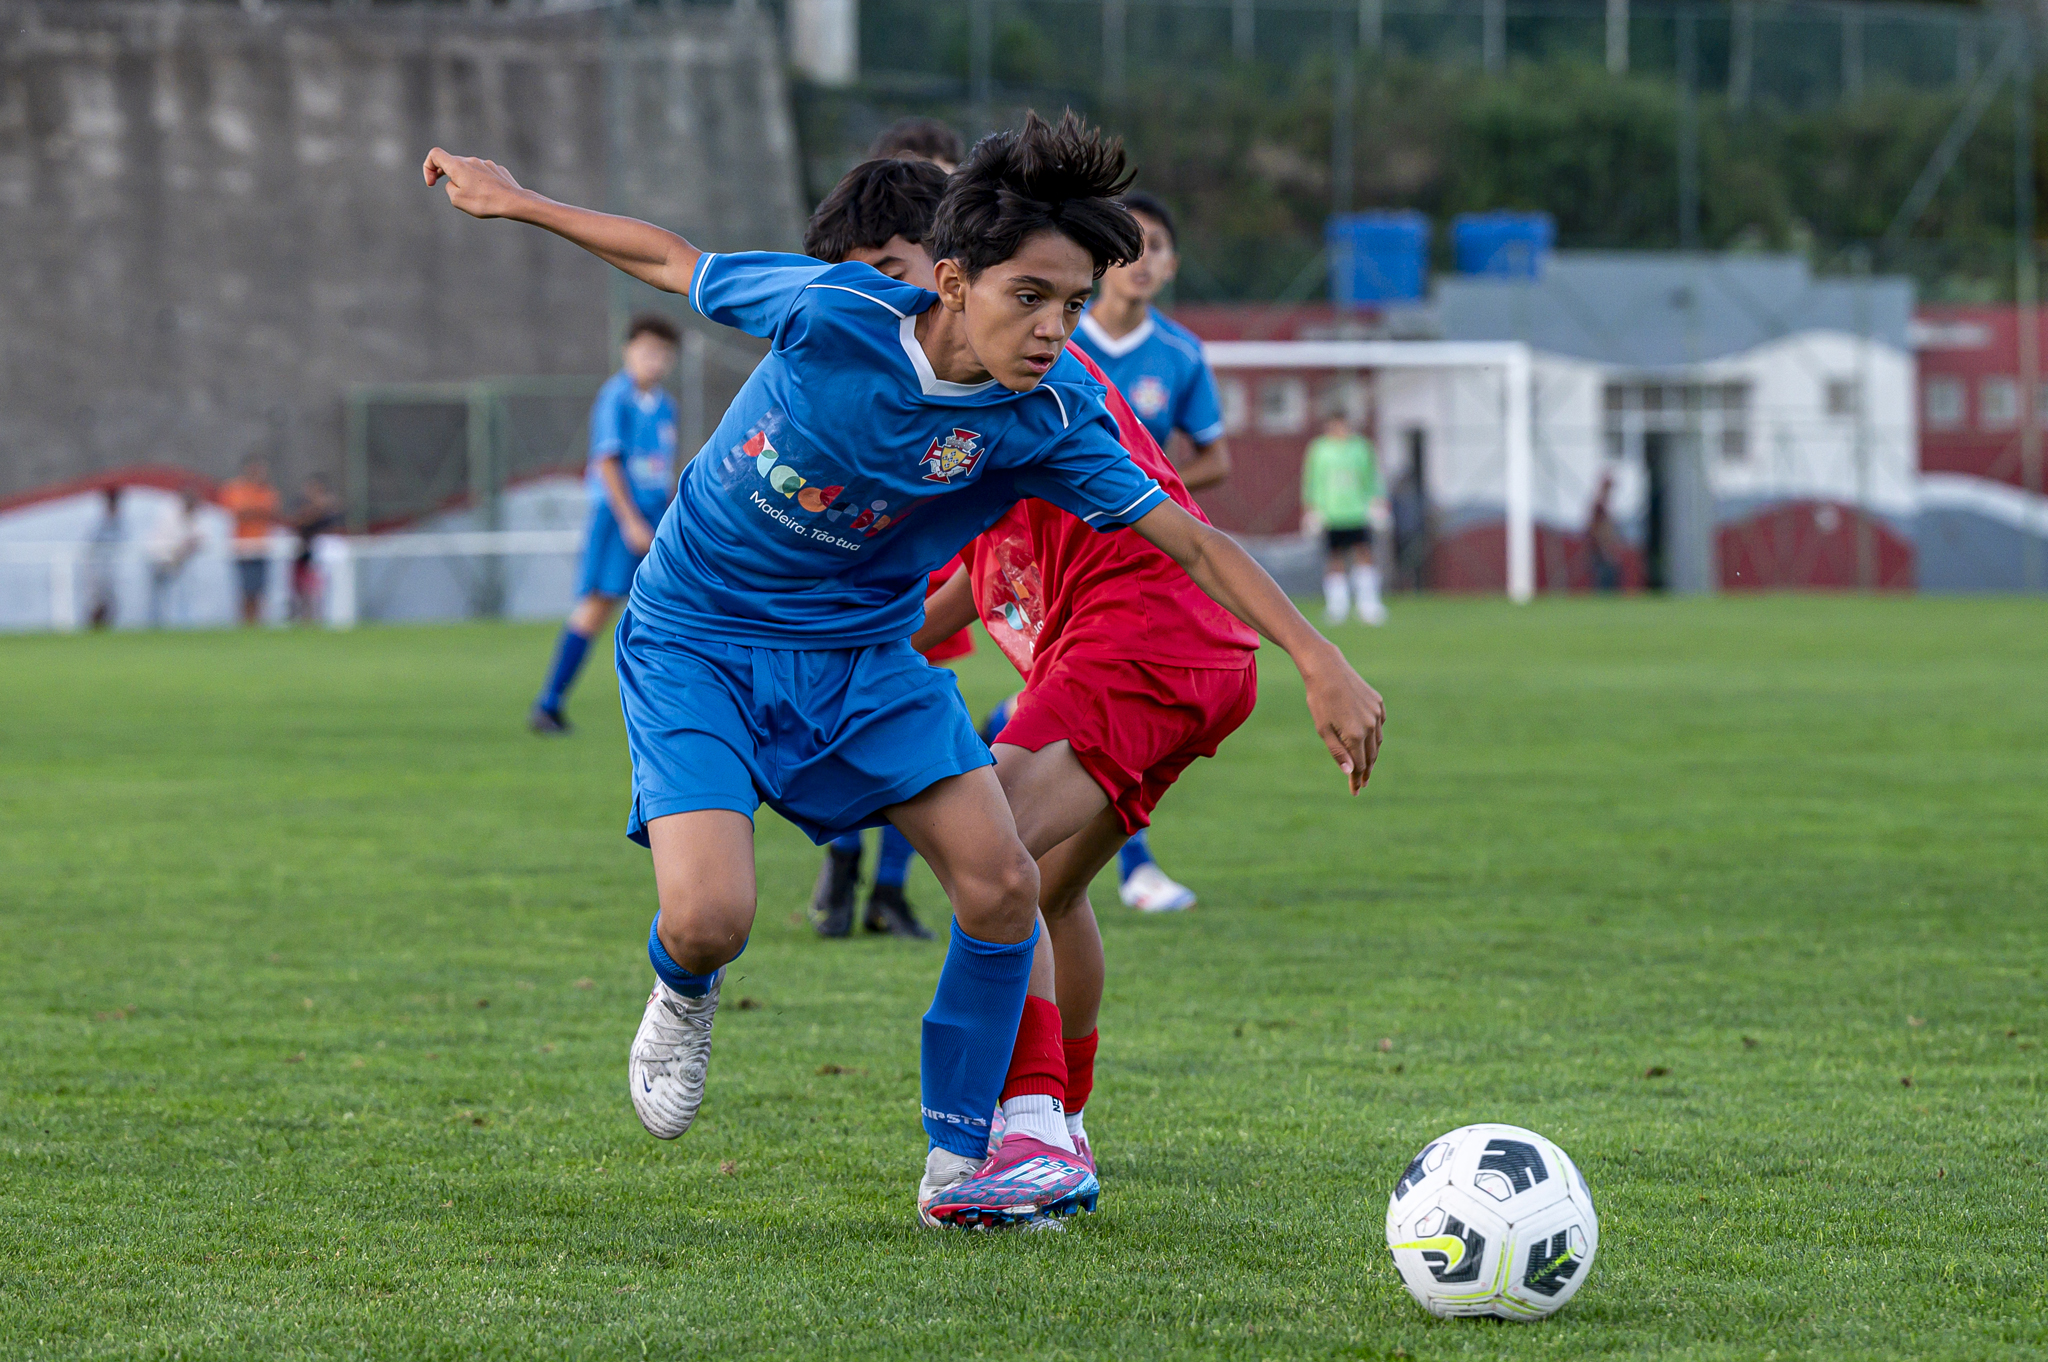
[
  {"x": 1347, "y": 712},
  {"x": 485, "y": 189}
]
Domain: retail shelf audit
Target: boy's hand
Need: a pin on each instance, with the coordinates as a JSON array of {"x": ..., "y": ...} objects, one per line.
[
  {"x": 638, "y": 537},
  {"x": 1348, "y": 714},
  {"x": 480, "y": 188}
]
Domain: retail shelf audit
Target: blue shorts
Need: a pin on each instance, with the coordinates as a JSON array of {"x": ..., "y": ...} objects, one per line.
[
  {"x": 608, "y": 565},
  {"x": 825, "y": 737}
]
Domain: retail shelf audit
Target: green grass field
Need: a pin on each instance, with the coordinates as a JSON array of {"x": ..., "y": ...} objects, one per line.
[{"x": 319, "y": 975}]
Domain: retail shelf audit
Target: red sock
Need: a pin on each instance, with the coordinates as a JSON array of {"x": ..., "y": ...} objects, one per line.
[
  {"x": 1080, "y": 1069},
  {"x": 1038, "y": 1066}
]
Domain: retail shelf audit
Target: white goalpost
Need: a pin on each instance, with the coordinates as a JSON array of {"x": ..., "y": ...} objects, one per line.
[{"x": 1514, "y": 410}]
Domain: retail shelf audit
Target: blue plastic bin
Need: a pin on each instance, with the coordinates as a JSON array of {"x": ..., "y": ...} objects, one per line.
[
  {"x": 1503, "y": 245},
  {"x": 1380, "y": 257}
]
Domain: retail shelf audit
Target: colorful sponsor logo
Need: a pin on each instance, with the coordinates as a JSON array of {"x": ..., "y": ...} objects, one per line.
[
  {"x": 951, "y": 456},
  {"x": 829, "y": 501}
]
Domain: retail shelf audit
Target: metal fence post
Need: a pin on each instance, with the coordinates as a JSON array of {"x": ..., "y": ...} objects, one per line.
[
  {"x": 1242, "y": 18},
  {"x": 1741, "y": 51},
  {"x": 981, "y": 79},
  {"x": 1115, "y": 32},
  {"x": 1688, "y": 130},
  {"x": 1372, "y": 24},
  {"x": 1617, "y": 37},
  {"x": 484, "y": 482},
  {"x": 356, "y": 475},
  {"x": 1494, "y": 35},
  {"x": 1343, "y": 112}
]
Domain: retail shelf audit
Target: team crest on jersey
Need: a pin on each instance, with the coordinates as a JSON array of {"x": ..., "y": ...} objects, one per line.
[
  {"x": 952, "y": 456},
  {"x": 1148, "y": 396}
]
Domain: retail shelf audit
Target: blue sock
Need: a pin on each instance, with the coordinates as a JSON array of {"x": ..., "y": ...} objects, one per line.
[
  {"x": 998, "y": 720},
  {"x": 568, "y": 661},
  {"x": 893, "y": 862},
  {"x": 969, "y": 1032},
  {"x": 848, "y": 845},
  {"x": 681, "y": 980},
  {"x": 1136, "y": 852}
]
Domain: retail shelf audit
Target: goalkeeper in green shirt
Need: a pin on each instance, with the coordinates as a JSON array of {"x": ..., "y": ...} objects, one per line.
[{"x": 1340, "y": 488}]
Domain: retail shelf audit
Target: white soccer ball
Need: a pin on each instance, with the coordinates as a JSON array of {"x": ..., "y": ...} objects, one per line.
[{"x": 1492, "y": 1220}]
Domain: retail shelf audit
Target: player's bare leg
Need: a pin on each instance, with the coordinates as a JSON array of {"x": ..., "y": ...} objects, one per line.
[
  {"x": 1052, "y": 793},
  {"x": 704, "y": 881}
]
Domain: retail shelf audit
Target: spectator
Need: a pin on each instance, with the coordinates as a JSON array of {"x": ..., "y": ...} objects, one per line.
[
  {"x": 1603, "y": 539},
  {"x": 319, "y": 513},
  {"x": 1340, "y": 482},
  {"x": 252, "y": 501},
  {"x": 172, "y": 545},
  {"x": 103, "y": 551},
  {"x": 920, "y": 139}
]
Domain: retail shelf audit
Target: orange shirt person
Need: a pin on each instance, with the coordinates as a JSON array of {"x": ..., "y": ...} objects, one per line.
[{"x": 253, "y": 502}]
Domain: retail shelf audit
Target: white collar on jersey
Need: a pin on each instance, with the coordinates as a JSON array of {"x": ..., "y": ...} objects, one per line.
[
  {"x": 1116, "y": 347},
  {"x": 933, "y": 385}
]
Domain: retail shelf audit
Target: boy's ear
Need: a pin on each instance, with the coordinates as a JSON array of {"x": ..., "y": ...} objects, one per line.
[{"x": 950, "y": 284}]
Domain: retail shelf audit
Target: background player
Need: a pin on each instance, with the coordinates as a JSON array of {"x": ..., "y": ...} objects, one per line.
[
  {"x": 1157, "y": 364},
  {"x": 919, "y": 139},
  {"x": 630, "y": 478},
  {"x": 1340, "y": 482}
]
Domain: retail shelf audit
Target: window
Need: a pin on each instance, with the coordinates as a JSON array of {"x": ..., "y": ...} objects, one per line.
[
  {"x": 1283, "y": 406},
  {"x": 1998, "y": 403},
  {"x": 1941, "y": 402},
  {"x": 1844, "y": 397},
  {"x": 1717, "y": 413}
]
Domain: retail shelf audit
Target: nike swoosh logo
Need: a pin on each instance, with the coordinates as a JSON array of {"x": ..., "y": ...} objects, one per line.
[{"x": 1450, "y": 1245}]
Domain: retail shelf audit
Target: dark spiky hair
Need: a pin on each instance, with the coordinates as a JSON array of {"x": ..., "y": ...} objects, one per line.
[
  {"x": 1018, "y": 183},
  {"x": 876, "y": 200}
]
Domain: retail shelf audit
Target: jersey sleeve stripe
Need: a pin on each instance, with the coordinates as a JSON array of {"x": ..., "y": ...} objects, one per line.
[
  {"x": 1153, "y": 491},
  {"x": 1064, "y": 422},
  {"x": 1207, "y": 434},
  {"x": 858, "y": 294},
  {"x": 697, "y": 284}
]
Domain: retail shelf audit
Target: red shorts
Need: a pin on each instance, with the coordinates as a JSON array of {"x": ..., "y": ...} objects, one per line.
[{"x": 1135, "y": 725}]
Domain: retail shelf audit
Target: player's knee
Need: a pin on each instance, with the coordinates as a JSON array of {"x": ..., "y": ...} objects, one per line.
[
  {"x": 1010, "y": 888},
  {"x": 702, "y": 931}
]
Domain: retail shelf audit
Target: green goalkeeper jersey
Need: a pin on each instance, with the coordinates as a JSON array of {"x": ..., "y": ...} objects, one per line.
[{"x": 1340, "y": 480}]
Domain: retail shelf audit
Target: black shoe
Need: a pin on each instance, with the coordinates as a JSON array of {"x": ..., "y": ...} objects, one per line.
[
  {"x": 832, "y": 900},
  {"x": 547, "y": 721},
  {"x": 888, "y": 911}
]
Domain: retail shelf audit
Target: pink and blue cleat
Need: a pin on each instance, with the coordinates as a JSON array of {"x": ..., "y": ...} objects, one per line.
[{"x": 1024, "y": 1180}]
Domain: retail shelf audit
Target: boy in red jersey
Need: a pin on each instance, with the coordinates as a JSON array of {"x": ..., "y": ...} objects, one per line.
[{"x": 1131, "y": 673}]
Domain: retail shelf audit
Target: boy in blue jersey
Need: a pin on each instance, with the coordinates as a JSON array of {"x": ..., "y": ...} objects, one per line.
[
  {"x": 764, "y": 653},
  {"x": 630, "y": 478},
  {"x": 1158, "y": 366}
]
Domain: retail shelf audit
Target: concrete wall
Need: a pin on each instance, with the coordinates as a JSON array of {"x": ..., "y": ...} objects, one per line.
[{"x": 212, "y": 220}]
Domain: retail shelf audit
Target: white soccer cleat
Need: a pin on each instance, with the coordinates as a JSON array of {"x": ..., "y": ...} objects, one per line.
[
  {"x": 1150, "y": 890},
  {"x": 1372, "y": 612},
  {"x": 943, "y": 1171},
  {"x": 665, "y": 1071}
]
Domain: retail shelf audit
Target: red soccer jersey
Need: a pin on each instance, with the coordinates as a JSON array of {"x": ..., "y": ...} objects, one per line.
[{"x": 1045, "y": 584}]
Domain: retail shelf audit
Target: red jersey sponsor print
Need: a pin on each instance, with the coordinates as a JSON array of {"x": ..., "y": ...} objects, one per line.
[{"x": 1045, "y": 584}]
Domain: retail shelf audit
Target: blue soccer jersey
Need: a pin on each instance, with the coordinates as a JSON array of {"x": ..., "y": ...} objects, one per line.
[
  {"x": 1160, "y": 371},
  {"x": 845, "y": 470},
  {"x": 639, "y": 430}
]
